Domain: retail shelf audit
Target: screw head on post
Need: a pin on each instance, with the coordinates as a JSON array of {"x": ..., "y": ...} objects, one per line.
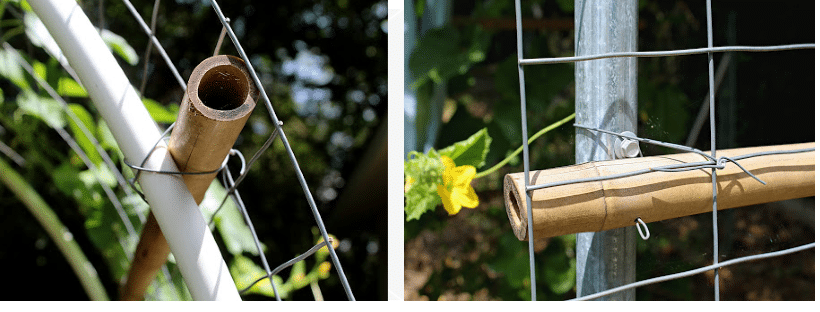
[{"x": 626, "y": 148}]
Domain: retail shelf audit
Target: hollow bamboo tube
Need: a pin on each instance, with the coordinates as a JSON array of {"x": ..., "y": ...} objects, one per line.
[
  {"x": 655, "y": 196},
  {"x": 219, "y": 100}
]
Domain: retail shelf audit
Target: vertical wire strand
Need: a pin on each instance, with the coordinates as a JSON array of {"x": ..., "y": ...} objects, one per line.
[
  {"x": 526, "y": 155},
  {"x": 715, "y": 255},
  {"x": 148, "y": 48},
  {"x": 308, "y": 195},
  {"x": 241, "y": 206}
]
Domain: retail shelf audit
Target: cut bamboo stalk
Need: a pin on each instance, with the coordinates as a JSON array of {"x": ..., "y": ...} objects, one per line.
[
  {"x": 655, "y": 196},
  {"x": 218, "y": 102}
]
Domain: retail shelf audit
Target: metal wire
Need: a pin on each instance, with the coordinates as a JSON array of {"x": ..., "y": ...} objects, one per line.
[
  {"x": 715, "y": 254},
  {"x": 526, "y": 156},
  {"x": 638, "y": 223},
  {"x": 228, "y": 180},
  {"x": 73, "y": 144},
  {"x": 711, "y": 161},
  {"x": 148, "y": 48},
  {"x": 695, "y": 271},
  {"x": 294, "y": 162},
  {"x": 156, "y": 43},
  {"x": 290, "y": 262},
  {"x": 573, "y": 59}
]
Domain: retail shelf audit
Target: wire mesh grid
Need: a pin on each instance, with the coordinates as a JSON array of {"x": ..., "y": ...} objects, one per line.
[
  {"x": 710, "y": 162},
  {"x": 227, "y": 179}
]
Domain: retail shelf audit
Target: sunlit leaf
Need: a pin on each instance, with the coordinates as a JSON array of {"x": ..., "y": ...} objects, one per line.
[
  {"x": 422, "y": 174},
  {"x": 68, "y": 87},
  {"x": 47, "y": 109},
  {"x": 119, "y": 46},
  {"x": 244, "y": 272},
  {"x": 84, "y": 141},
  {"x": 471, "y": 151},
  {"x": 160, "y": 113},
  {"x": 11, "y": 70},
  {"x": 229, "y": 221}
]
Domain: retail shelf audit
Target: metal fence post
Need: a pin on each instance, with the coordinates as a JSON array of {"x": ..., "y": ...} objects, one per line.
[{"x": 606, "y": 96}]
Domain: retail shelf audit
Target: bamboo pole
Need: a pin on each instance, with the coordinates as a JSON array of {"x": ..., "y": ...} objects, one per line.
[
  {"x": 654, "y": 196},
  {"x": 195, "y": 250},
  {"x": 218, "y": 101}
]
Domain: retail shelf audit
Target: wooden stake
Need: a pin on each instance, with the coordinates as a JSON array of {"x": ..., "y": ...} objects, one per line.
[
  {"x": 608, "y": 204},
  {"x": 219, "y": 100}
]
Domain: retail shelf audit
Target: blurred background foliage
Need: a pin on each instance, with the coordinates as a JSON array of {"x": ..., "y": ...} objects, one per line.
[
  {"x": 323, "y": 64},
  {"x": 463, "y": 77}
]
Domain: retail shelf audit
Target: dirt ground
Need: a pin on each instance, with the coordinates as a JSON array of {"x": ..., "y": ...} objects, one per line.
[{"x": 680, "y": 244}]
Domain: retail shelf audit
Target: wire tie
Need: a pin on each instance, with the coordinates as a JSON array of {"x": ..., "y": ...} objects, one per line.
[
  {"x": 722, "y": 161},
  {"x": 287, "y": 264},
  {"x": 638, "y": 223}
]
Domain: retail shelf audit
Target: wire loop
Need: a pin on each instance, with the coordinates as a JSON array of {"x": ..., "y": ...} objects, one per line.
[{"x": 638, "y": 223}]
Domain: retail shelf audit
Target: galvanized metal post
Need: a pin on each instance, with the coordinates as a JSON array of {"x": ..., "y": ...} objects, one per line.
[{"x": 606, "y": 96}]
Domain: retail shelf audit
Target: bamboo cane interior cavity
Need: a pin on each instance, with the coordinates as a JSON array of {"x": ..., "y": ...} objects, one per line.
[{"x": 223, "y": 87}]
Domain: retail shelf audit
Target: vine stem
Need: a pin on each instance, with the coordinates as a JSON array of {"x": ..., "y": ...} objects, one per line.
[
  {"x": 521, "y": 148},
  {"x": 58, "y": 232}
]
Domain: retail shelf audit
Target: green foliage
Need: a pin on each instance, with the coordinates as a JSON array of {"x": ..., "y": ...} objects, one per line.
[
  {"x": 69, "y": 87},
  {"x": 85, "y": 142},
  {"x": 29, "y": 118},
  {"x": 161, "y": 113},
  {"x": 423, "y": 171},
  {"x": 245, "y": 272},
  {"x": 442, "y": 54},
  {"x": 471, "y": 152},
  {"x": 665, "y": 110},
  {"x": 44, "y": 108},
  {"x": 229, "y": 221},
  {"x": 120, "y": 47},
  {"x": 11, "y": 70}
]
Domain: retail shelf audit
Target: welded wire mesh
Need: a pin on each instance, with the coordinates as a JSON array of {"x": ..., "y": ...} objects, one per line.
[
  {"x": 226, "y": 177},
  {"x": 710, "y": 160}
]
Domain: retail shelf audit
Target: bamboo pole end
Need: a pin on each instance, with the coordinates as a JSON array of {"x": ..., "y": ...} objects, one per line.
[{"x": 516, "y": 208}]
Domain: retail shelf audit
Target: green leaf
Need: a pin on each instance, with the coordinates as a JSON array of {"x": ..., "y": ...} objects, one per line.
[
  {"x": 230, "y": 223},
  {"x": 160, "y": 113},
  {"x": 471, "y": 151},
  {"x": 47, "y": 109},
  {"x": 421, "y": 195},
  {"x": 40, "y": 70},
  {"x": 435, "y": 56},
  {"x": 559, "y": 271},
  {"x": 11, "y": 70},
  {"x": 68, "y": 87},
  {"x": 119, "y": 46},
  {"x": 92, "y": 177},
  {"x": 511, "y": 260},
  {"x": 244, "y": 272},
  {"x": 440, "y": 55},
  {"x": 84, "y": 141},
  {"x": 106, "y": 138}
]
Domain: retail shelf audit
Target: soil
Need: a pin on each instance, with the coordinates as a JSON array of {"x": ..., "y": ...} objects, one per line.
[{"x": 679, "y": 245}]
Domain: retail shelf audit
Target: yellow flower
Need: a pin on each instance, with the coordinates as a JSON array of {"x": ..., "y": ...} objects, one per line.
[{"x": 456, "y": 191}]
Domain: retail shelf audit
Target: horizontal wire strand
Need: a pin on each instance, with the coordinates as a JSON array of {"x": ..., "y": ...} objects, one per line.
[
  {"x": 681, "y": 52},
  {"x": 694, "y": 271}
]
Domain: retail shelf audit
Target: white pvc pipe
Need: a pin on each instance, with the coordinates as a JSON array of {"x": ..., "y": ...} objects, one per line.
[{"x": 191, "y": 242}]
